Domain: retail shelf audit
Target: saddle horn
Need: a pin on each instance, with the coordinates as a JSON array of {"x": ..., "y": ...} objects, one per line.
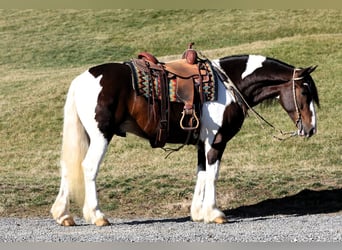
[{"x": 190, "y": 54}]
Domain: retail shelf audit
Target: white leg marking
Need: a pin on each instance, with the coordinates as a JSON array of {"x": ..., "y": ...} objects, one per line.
[
  {"x": 60, "y": 208},
  {"x": 209, "y": 203},
  {"x": 91, "y": 164},
  {"x": 254, "y": 62},
  {"x": 197, "y": 200}
]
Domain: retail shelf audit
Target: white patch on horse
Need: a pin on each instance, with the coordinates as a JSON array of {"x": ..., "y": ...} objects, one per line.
[
  {"x": 254, "y": 62},
  {"x": 87, "y": 90},
  {"x": 313, "y": 112},
  {"x": 216, "y": 63},
  {"x": 313, "y": 116},
  {"x": 212, "y": 113}
]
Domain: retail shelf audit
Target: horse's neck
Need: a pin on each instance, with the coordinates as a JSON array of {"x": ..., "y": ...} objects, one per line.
[
  {"x": 261, "y": 93},
  {"x": 262, "y": 88},
  {"x": 254, "y": 93}
]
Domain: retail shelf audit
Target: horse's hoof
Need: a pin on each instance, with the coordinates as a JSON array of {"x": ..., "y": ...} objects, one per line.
[
  {"x": 68, "y": 222},
  {"x": 102, "y": 222},
  {"x": 220, "y": 220}
]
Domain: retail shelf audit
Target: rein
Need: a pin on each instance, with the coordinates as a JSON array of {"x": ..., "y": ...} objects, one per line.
[{"x": 230, "y": 85}]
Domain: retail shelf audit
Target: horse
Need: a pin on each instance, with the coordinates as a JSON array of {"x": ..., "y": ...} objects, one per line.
[{"x": 102, "y": 102}]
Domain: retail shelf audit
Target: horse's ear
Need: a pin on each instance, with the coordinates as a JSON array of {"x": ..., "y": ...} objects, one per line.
[
  {"x": 312, "y": 69},
  {"x": 307, "y": 71}
]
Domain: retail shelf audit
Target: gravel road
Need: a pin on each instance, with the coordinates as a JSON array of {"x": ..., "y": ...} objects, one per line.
[{"x": 289, "y": 228}]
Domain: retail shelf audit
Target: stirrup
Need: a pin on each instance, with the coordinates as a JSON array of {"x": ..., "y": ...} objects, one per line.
[{"x": 193, "y": 116}]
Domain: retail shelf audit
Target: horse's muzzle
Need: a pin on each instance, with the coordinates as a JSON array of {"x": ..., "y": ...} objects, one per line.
[{"x": 307, "y": 132}]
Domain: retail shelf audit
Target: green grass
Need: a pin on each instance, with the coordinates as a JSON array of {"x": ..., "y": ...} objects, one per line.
[{"x": 41, "y": 51}]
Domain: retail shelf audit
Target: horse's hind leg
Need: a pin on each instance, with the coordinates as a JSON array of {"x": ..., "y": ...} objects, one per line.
[
  {"x": 91, "y": 163},
  {"x": 60, "y": 208},
  {"x": 87, "y": 102}
]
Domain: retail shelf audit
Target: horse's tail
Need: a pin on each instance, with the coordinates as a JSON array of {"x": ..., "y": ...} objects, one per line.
[{"x": 74, "y": 148}]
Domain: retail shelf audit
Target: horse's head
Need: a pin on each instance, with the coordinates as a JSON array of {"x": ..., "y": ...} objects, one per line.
[{"x": 298, "y": 98}]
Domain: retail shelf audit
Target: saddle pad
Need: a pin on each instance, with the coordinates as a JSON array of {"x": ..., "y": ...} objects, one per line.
[
  {"x": 144, "y": 80},
  {"x": 146, "y": 83}
]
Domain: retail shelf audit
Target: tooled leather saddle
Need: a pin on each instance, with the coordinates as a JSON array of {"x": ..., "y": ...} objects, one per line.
[{"x": 175, "y": 81}]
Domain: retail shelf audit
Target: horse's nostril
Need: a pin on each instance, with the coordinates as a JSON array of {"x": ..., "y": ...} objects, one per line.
[{"x": 311, "y": 132}]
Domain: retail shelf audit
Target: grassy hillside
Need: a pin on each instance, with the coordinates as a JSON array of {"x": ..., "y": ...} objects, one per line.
[{"x": 41, "y": 51}]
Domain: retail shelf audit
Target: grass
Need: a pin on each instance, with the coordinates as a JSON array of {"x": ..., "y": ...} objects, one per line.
[{"x": 41, "y": 51}]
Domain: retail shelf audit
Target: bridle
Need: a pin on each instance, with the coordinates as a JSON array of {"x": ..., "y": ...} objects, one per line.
[{"x": 299, "y": 122}]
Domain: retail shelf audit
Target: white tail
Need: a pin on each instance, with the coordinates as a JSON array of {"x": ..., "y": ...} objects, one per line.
[{"x": 74, "y": 148}]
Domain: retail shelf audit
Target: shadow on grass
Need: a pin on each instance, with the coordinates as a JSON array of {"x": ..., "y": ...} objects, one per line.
[{"x": 305, "y": 202}]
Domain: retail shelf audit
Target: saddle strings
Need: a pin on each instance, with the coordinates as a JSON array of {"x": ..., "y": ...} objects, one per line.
[{"x": 169, "y": 151}]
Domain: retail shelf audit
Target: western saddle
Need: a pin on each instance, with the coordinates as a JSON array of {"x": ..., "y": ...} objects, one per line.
[{"x": 189, "y": 73}]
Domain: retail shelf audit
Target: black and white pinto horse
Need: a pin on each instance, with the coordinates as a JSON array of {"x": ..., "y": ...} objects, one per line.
[{"x": 102, "y": 102}]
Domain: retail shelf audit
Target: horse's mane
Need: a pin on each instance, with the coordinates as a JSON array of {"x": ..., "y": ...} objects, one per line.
[{"x": 312, "y": 85}]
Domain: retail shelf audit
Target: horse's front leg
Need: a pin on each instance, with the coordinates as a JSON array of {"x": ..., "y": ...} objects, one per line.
[
  {"x": 203, "y": 207},
  {"x": 210, "y": 210},
  {"x": 197, "y": 199}
]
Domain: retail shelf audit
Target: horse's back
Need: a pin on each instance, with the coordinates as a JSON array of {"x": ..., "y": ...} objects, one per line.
[{"x": 111, "y": 70}]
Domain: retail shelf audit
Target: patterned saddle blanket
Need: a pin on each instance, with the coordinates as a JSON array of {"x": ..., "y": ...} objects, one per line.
[{"x": 147, "y": 83}]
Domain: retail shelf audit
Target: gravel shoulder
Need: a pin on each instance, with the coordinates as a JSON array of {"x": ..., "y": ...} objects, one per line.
[{"x": 289, "y": 228}]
